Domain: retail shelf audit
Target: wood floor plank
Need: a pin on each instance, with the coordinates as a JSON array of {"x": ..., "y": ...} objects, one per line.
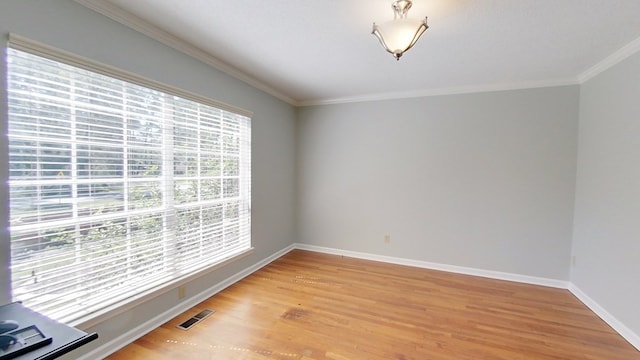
[{"x": 309, "y": 305}]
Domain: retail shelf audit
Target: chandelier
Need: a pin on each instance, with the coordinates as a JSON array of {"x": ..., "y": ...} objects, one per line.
[{"x": 400, "y": 34}]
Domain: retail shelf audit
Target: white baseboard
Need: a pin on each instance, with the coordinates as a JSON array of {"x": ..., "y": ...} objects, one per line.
[
  {"x": 125, "y": 339},
  {"x": 616, "y": 324},
  {"x": 441, "y": 267},
  {"x": 112, "y": 346}
]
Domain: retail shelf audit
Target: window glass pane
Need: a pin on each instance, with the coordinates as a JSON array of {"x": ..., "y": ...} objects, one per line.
[
  {"x": 144, "y": 195},
  {"x": 210, "y": 189}
]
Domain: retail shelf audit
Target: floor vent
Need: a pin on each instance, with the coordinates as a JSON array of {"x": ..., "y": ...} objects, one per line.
[{"x": 196, "y": 319}]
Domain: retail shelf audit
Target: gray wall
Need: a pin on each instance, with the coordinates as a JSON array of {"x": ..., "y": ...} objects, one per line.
[
  {"x": 478, "y": 180},
  {"x": 606, "y": 241},
  {"x": 69, "y": 26}
]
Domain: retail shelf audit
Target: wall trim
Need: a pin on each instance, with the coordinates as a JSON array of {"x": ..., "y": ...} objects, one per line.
[
  {"x": 125, "y": 339},
  {"x": 144, "y": 27},
  {"x": 440, "y": 267},
  {"x": 611, "y": 60},
  {"x": 443, "y": 91},
  {"x": 95, "y": 318},
  {"x": 617, "y": 325}
]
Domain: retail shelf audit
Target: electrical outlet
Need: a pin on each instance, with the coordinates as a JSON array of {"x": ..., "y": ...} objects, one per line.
[
  {"x": 387, "y": 238},
  {"x": 182, "y": 289},
  {"x": 573, "y": 260}
]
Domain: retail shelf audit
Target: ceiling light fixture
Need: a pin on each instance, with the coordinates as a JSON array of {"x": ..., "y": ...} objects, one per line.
[{"x": 400, "y": 34}]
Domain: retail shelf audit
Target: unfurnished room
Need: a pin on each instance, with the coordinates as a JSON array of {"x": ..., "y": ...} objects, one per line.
[{"x": 320, "y": 179}]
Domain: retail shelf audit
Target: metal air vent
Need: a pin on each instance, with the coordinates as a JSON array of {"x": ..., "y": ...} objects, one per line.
[{"x": 195, "y": 319}]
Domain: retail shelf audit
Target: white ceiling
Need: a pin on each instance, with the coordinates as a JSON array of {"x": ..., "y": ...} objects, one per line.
[{"x": 322, "y": 51}]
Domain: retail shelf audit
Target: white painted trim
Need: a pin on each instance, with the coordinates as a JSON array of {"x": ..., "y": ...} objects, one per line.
[
  {"x": 616, "y": 324},
  {"x": 138, "y": 24},
  {"x": 114, "y": 345},
  {"x": 22, "y": 43},
  {"x": 441, "y": 267},
  {"x": 125, "y": 339},
  {"x": 442, "y": 91},
  {"x": 95, "y": 318},
  {"x": 611, "y": 60},
  {"x": 142, "y": 26}
]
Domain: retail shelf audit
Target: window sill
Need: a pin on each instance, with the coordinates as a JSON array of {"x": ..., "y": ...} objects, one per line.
[{"x": 96, "y": 317}]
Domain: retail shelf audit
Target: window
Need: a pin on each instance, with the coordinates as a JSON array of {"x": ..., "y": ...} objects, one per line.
[{"x": 117, "y": 189}]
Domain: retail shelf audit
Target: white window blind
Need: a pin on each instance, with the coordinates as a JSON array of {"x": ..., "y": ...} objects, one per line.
[{"x": 116, "y": 188}]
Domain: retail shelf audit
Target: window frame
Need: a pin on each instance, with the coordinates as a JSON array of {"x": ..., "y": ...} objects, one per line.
[{"x": 26, "y": 45}]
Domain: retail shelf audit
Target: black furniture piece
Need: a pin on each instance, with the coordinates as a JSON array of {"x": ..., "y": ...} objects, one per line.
[{"x": 39, "y": 338}]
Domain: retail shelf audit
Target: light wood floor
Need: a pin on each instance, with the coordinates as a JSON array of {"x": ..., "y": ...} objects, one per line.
[{"x": 308, "y": 305}]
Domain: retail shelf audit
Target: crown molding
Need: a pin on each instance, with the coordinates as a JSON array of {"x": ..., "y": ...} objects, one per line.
[
  {"x": 138, "y": 24},
  {"x": 611, "y": 60},
  {"x": 443, "y": 91},
  {"x": 142, "y": 26}
]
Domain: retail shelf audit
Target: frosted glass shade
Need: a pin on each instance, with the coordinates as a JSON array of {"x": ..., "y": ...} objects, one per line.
[{"x": 399, "y": 35}]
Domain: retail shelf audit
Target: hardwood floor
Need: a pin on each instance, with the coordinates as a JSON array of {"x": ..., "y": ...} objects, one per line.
[{"x": 308, "y": 305}]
